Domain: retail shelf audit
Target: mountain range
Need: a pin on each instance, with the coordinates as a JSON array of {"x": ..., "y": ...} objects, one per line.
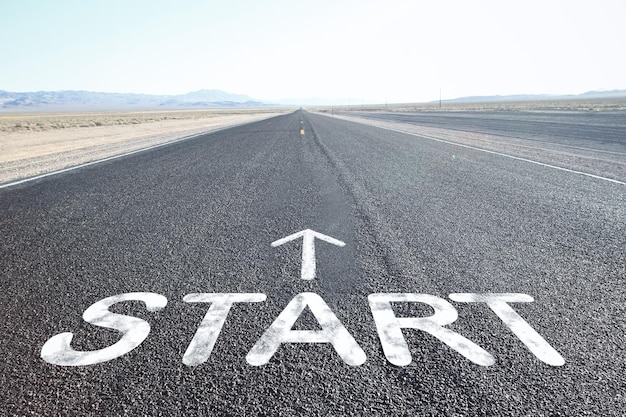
[
  {"x": 86, "y": 100},
  {"x": 591, "y": 95}
]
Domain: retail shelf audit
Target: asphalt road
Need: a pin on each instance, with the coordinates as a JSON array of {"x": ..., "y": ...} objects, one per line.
[
  {"x": 596, "y": 130},
  {"x": 417, "y": 216}
]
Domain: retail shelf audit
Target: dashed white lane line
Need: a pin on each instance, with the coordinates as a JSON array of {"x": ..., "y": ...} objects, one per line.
[{"x": 495, "y": 153}]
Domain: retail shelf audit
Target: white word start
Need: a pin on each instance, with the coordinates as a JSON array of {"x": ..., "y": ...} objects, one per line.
[{"x": 58, "y": 351}]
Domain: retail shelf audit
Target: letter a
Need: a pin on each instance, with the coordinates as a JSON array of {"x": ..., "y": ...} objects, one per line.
[{"x": 281, "y": 332}]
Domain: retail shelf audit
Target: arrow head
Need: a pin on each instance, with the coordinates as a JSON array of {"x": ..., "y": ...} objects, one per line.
[
  {"x": 308, "y": 249},
  {"x": 307, "y": 234}
]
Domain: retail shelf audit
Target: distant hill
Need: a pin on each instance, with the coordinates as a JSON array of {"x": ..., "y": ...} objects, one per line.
[
  {"x": 603, "y": 94},
  {"x": 72, "y": 100},
  {"x": 86, "y": 100},
  {"x": 538, "y": 97}
]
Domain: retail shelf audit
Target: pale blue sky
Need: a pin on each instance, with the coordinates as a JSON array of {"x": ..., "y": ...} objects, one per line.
[{"x": 389, "y": 50}]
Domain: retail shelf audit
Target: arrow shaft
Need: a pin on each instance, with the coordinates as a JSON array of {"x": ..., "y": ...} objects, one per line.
[{"x": 308, "y": 257}]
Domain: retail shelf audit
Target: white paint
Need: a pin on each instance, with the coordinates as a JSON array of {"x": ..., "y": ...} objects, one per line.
[
  {"x": 390, "y": 327},
  {"x": 498, "y": 303},
  {"x": 308, "y": 270},
  {"x": 281, "y": 332},
  {"x": 204, "y": 340},
  {"x": 58, "y": 351}
]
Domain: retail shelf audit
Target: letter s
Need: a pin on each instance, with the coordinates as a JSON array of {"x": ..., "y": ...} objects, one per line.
[{"x": 57, "y": 349}]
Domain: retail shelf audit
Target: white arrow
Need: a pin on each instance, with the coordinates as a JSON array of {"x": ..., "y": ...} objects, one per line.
[{"x": 308, "y": 249}]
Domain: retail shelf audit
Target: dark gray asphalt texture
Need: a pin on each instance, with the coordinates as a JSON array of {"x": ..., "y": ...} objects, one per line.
[
  {"x": 417, "y": 216},
  {"x": 592, "y": 129}
]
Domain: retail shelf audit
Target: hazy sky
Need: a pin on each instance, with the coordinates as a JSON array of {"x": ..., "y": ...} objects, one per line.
[{"x": 388, "y": 50}]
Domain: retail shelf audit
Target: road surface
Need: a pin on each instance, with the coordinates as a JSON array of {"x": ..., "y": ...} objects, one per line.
[{"x": 425, "y": 277}]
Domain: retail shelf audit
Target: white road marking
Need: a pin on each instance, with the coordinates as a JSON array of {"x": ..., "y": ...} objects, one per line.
[
  {"x": 281, "y": 332},
  {"x": 390, "y": 328},
  {"x": 204, "y": 340},
  {"x": 58, "y": 350},
  {"x": 308, "y": 270},
  {"x": 498, "y": 303}
]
